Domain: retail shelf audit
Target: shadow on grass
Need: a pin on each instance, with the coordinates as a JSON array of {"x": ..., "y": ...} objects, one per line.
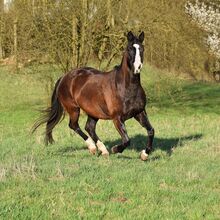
[
  {"x": 69, "y": 149},
  {"x": 196, "y": 96},
  {"x": 138, "y": 143}
]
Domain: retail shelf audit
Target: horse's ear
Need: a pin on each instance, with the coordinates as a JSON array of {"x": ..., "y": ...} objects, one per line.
[
  {"x": 130, "y": 36},
  {"x": 141, "y": 37}
]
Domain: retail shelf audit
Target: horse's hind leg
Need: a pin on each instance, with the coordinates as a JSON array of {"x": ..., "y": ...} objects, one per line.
[
  {"x": 73, "y": 124},
  {"x": 90, "y": 128},
  {"x": 119, "y": 124}
]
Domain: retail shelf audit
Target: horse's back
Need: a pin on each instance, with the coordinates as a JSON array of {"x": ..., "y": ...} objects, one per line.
[{"x": 78, "y": 77}]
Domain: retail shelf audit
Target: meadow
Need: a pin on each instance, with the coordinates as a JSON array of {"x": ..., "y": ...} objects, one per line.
[{"x": 180, "y": 180}]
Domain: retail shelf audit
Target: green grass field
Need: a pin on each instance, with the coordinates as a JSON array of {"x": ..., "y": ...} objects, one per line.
[{"x": 180, "y": 180}]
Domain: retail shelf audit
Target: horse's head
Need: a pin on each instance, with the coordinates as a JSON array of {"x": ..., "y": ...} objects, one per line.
[{"x": 135, "y": 51}]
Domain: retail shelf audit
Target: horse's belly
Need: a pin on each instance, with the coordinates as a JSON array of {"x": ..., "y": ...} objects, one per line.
[
  {"x": 95, "y": 111},
  {"x": 94, "y": 106}
]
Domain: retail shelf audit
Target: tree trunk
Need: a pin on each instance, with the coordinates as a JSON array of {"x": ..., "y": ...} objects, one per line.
[
  {"x": 129, "y": 4},
  {"x": 83, "y": 33},
  {"x": 1, "y": 28},
  {"x": 33, "y": 7},
  {"x": 74, "y": 42},
  {"x": 108, "y": 25},
  {"x": 16, "y": 44},
  {"x": 151, "y": 53},
  {"x": 44, "y": 4}
]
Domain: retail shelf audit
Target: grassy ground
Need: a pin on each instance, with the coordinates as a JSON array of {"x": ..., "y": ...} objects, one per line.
[{"x": 181, "y": 179}]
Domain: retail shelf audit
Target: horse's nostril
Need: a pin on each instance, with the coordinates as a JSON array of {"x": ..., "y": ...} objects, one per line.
[{"x": 139, "y": 67}]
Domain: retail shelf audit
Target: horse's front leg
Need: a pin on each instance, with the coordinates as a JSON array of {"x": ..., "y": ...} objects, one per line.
[
  {"x": 144, "y": 121},
  {"x": 120, "y": 126}
]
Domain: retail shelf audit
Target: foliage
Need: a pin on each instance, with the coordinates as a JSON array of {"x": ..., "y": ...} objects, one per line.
[
  {"x": 75, "y": 33},
  {"x": 208, "y": 18}
]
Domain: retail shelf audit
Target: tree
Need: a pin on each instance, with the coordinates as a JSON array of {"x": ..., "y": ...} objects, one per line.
[
  {"x": 1, "y": 28},
  {"x": 73, "y": 33},
  {"x": 207, "y": 16}
]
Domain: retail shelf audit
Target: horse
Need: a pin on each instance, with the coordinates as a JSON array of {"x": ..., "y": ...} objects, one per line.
[{"x": 115, "y": 95}]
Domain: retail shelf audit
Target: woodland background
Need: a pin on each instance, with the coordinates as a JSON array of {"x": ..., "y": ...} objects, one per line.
[{"x": 77, "y": 33}]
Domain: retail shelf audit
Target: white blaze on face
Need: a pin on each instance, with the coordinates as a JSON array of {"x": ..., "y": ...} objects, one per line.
[{"x": 137, "y": 60}]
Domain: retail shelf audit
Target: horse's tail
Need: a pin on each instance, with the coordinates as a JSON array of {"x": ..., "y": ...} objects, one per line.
[{"x": 51, "y": 116}]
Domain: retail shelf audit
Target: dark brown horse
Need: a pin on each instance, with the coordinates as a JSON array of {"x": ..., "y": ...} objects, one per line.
[{"x": 116, "y": 95}]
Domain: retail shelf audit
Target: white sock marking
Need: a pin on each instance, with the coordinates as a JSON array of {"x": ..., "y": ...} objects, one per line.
[
  {"x": 137, "y": 61},
  {"x": 102, "y": 147},
  {"x": 90, "y": 143},
  {"x": 144, "y": 153}
]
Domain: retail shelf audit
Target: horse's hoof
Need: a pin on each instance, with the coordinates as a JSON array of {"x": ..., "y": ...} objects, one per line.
[
  {"x": 143, "y": 155},
  {"x": 114, "y": 150},
  {"x": 92, "y": 151},
  {"x": 105, "y": 154}
]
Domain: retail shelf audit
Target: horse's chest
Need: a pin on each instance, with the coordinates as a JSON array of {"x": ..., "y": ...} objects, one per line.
[{"x": 134, "y": 103}]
